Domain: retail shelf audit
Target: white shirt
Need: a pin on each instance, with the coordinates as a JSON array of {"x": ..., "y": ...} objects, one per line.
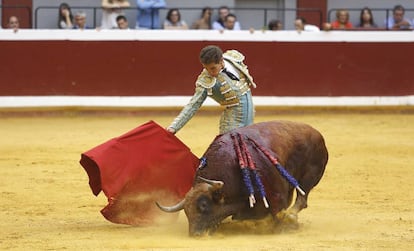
[
  {"x": 218, "y": 26},
  {"x": 311, "y": 27},
  {"x": 230, "y": 68}
]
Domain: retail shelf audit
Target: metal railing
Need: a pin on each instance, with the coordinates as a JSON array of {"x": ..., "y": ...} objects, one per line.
[
  {"x": 266, "y": 12},
  {"x": 94, "y": 10},
  {"x": 387, "y": 11}
]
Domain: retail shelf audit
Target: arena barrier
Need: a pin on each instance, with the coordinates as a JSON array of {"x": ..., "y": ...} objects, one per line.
[{"x": 157, "y": 68}]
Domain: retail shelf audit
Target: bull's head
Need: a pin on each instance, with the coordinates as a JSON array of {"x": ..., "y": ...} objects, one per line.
[{"x": 202, "y": 206}]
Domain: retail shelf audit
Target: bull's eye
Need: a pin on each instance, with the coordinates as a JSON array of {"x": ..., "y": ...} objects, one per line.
[{"x": 204, "y": 204}]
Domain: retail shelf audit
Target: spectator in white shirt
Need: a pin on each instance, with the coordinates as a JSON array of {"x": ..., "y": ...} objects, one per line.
[
  {"x": 301, "y": 25},
  {"x": 219, "y": 23},
  {"x": 397, "y": 20}
]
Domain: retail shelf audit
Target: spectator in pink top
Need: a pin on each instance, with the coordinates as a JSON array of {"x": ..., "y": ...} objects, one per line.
[{"x": 341, "y": 22}]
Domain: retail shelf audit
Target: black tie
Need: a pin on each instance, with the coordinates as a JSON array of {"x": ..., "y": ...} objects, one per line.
[{"x": 231, "y": 75}]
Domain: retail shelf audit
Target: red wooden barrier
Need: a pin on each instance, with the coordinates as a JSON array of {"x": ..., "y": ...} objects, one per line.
[{"x": 156, "y": 68}]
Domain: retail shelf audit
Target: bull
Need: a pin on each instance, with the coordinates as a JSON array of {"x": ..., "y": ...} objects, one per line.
[{"x": 219, "y": 191}]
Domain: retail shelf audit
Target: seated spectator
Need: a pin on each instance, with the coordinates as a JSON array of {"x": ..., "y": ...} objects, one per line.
[
  {"x": 341, "y": 22},
  {"x": 122, "y": 22},
  {"x": 397, "y": 21},
  {"x": 13, "y": 23},
  {"x": 230, "y": 22},
  {"x": 148, "y": 13},
  {"x": 173, "y": 21},
  {"x": 65, "y": 20},
  {"x": 110, "y": 10},
  {"x": 275, "y": 25},
  {"x": 301, "y": 25},
  {"x": 219, "y": 23},
  {"x": 366, "y": 19},
  {"x": 80, "y": 21},
  {"x": 204, "y": 23}
]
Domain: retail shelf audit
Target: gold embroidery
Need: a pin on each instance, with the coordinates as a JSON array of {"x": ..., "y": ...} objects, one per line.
[
  {"x": 244, "y": 88},
  {"x": 234, "y": 55},
  {"x": 205, "y": 80},
  {"x": 230, "y": 96}
]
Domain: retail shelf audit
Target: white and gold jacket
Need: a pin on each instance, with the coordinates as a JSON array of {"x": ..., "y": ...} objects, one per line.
[{"x": 222, "y": 88}]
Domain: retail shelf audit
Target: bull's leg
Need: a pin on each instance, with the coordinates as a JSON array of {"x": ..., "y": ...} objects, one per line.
[
  {"x": 283, "y": 217},
  {"x": 287, "y": 219},
  {"x": 300, "y": 203},
  {"x": 308, "y": 181},
  {"x": 290, "y": 216}
]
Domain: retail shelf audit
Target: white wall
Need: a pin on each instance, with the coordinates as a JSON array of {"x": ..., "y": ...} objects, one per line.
[{"x": 256, "y": 17}]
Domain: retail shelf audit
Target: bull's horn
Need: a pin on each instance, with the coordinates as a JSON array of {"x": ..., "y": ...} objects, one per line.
[
  {"x": 215, "y": 183},
  {"x": 179, "y": 206}
]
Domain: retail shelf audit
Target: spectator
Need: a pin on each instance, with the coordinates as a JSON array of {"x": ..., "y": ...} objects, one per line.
[
  {"x": 230, "y": 22},
  {"x": 397, "y": 21},
  {"x": 173, "y": 21},
  {"x": 13, "y": 23},
  {"x": 219, "y": 23},
  {"x": 80, "y": 21},
  {"x": 275, "y": 25},
  {"x": 148, "y": 13},
  {"x": 110, "y": 10},
  {"x": 204, "y": 23},
  {"x": 366, "y": 19},
  {"x": 122, "y": 22},
  {"x": 341, "y": 22},
  {"x": 65, "y": 20},
  {"x": 301, "y": 25},
  {"x": 226, "y": 79}
]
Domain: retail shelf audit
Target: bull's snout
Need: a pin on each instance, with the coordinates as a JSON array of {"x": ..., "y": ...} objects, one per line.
[
  {"x": 202, "y": 228},
  {"x": 195, "y": 231}
]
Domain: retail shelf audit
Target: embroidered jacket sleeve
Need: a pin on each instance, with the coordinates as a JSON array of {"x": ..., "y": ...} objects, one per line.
[{"x": 190, "y": 109}]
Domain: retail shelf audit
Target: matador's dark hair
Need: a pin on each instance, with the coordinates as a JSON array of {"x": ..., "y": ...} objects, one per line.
[{"x": 211, "y": 54}]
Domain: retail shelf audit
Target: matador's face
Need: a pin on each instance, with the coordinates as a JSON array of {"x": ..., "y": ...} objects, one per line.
[{"x": 213, "y": 68}]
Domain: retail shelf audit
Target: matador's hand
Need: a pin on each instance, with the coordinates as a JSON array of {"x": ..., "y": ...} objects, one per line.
[{"x": 171, "y": 130}]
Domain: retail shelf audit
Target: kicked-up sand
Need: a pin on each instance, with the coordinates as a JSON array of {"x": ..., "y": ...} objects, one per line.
[{"x": 365, "y": 201}]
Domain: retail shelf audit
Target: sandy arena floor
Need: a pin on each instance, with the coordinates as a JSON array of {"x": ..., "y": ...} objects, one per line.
[{"x": 365, "y": 201}]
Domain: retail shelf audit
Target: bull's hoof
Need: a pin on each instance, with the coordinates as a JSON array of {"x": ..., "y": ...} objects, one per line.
[
  {"x": 287, "y": 220},
  {"x": 287, "y": 216}
]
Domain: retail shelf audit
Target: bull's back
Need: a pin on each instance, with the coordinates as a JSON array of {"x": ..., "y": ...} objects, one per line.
[
  {"x": 285, "y": 137},
  {"x": 299, "y": 147}
]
